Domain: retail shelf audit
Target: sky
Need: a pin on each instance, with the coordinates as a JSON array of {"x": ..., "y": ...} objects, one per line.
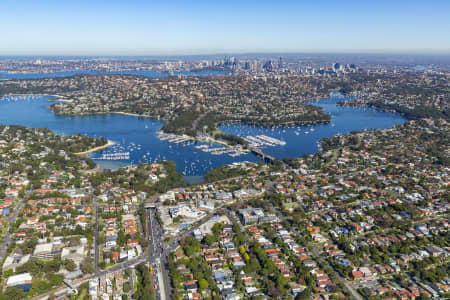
[{"x": 146, "y": 27}]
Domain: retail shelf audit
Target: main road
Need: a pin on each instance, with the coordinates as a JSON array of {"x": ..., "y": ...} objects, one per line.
[
  {"x": 156, "y": 254},
  {"x": 151, "y": 258}
]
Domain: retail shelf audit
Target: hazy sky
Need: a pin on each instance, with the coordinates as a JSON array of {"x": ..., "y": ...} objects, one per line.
[{"x": 145, "y": 27}]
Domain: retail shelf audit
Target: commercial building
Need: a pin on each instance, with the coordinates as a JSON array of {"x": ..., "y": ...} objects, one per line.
[
  {"x": 44, "y": 251},
  {"x": 22, "y": 281}
]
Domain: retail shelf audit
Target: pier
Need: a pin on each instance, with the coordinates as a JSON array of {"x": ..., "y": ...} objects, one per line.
[
  {"x": 115, "y": 156},
  {"x": 263, "y": 140}
]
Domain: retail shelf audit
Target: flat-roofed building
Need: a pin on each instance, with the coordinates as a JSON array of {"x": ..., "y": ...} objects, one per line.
[
  {"x": 44, "y": 251},
  {"x": 22, "y": 281},
  {"x": 15, "y": 260}
]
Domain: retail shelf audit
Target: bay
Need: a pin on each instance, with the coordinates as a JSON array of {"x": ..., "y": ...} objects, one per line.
[{"x": 139, "y": 135}]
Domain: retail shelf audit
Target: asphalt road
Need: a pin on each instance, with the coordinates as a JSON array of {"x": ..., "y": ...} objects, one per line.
[
  {"x": 11, "y": 220},
  {"x": 316, "y": 252},
  {"x": 97, "y": 246},
  {"x": 160, "y": 252},
  {"x": 195, "y": 123},
  {"x": 157, "y": 253}
]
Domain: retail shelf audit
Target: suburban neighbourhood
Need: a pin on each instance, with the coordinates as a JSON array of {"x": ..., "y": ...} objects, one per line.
[{"x": 360, "y": 219}]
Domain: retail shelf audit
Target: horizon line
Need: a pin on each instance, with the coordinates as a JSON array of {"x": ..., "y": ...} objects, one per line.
[{"x": 243, "y": 53}]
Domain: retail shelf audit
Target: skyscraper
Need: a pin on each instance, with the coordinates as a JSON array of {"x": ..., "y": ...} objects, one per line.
[
  {"x": 336, "y": 66},
  {"x": 268, "y": 66}
]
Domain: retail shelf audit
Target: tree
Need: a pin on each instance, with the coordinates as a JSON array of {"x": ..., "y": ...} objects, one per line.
[
  {"x": 40, "y": 285},
  {"x": 56, "y": 279},
  {"x": 306, "y": 294},
  {"x": 203, "y": 284},
  {"x": 121, "y": 238},
  {"x": 281, "y": 281},
  {"x": 87, "y": 266},
  {"x": 239, "y": 239},
  {"x": 236, "y": 228},
  {"x": 126, "y": 287},
  {"x": 246, "y": 257},
  {"x": 210, "y": 239},
  {"x": 177, "y": 219},
  {"x": 217, "y": 228},
  {"x": 69, "y": 265},
  {"x": 15, "y": 293}
]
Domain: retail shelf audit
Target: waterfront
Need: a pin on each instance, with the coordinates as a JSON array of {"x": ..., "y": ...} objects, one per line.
[
  {"x": 146, "y": 73},
  {"x": 138, "y": 136},
  {"x": 304, "y": 139}
]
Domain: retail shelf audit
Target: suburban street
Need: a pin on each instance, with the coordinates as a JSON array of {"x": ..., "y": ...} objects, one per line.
[
  {"x": 97, "y": 246},
  {"x": 316, "y": 253},
  {"x": 156, "y": 256},
  {"x": 11, "y": 220}
]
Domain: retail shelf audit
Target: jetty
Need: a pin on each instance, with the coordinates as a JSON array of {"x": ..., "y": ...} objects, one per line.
[{"x": 114, "y": 156}]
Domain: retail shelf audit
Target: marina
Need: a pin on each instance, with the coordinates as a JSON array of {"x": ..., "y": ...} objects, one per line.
[
  {"x": 263, "y": 140},
  {"x": 115, "y": 156},
  {"x": 230, "y": 151},
  {"x": 174, "y": 138}
]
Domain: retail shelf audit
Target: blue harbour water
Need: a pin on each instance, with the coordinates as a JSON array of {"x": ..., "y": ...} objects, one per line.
[
  {"x": 305, "y": 139},
  {"x": 139, "y": 135},
  {"x": 131, "y": 134}
]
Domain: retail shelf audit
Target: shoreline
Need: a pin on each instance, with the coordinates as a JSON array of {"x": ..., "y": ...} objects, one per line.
[
  {"x": 131, "y": 114},
  {"x": 56, "y": 99},
  {"x": 284, "y": 124},
  {"x": 92, "y": 171},
  {"x": 102, "y": 113},
  {"x": 108, "y": 144},
  {"x": 194, "y": 138}
]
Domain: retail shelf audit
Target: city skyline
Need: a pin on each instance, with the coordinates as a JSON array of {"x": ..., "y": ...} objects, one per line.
[{"x": 139, "y": 28}]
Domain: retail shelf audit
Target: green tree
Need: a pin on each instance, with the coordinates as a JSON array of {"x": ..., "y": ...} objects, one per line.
[
  {"x": 203, "y": 284},
  {"x": 217, "y": 228},
  {"x": 210, "y": 239},
  {"x": 87, "y": 266},
  {"x": 126, "y": 287},
  {"x": 69, "y": 265},
  {"x": 306, "y": 294},
  {"x": 15, "y": 293}
]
